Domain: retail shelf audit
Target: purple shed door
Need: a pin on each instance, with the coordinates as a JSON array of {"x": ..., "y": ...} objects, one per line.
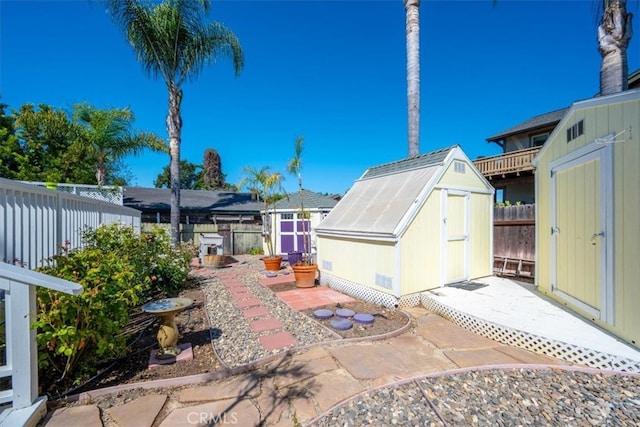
[
  {"x": 287, "y": 233},
  {"x": 292, "y": 233}
]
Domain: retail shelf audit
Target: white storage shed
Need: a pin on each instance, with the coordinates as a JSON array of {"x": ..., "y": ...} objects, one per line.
[{"x": 409, "y": 226}]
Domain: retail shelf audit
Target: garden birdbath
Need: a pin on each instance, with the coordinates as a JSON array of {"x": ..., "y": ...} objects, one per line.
[{"x": 166, "y": 309}]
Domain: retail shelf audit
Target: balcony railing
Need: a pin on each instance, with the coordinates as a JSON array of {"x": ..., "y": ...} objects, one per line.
[{"x": 508, "y": 163}]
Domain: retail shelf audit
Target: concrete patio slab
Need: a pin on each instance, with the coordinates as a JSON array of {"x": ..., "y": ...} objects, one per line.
[
  {"x": 278, "y": 340},
  {"x": 139, "y": 412},
  {"x": 302, "y": 299},
  {"x": 520, "y": 306},
  {"x": 297, "y": 372},
  {"x": 311, "y": 354},
  {"x": 482, "y": 357},
  {"x": 86, "y": 416},
  {"x": 252, "y": 312},
  {"x": 273, "y": 406},
  {"x": 401, "y": 356},
  {"x": 242, "y": 386},
  {"x": 225, "y": 412},
  {"x": 251, "y": 302},
  {"x": 233, "y": 283},
  {"x": 340, "y": 383},
  {"x": 239, "y": 290},
  {"x": 303, "y": 409},
  {"x": 277, "y": 280},
  {"x": 262, "y": 325},
  {"x": 445, "y": 334},
  {"x": 526, "y": 356}
]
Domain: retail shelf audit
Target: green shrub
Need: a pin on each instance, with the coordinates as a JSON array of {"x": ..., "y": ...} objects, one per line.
[
  {"x": 169, "y": 267},
  {"x": 256, "y": 251},
  {"x": 119, "y": 270}
]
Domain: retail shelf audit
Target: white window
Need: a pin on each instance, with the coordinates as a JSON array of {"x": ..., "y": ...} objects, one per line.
[
  {"x": 459, "y": 167},
  {"x": 538, "y": 140}
]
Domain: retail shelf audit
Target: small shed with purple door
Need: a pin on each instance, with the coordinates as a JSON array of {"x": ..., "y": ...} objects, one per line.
[{"x": 290, "y": 224}]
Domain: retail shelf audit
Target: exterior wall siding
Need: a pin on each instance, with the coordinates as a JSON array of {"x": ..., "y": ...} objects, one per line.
[
  {"x": 420, "y": 252},
  {"x": 598, "y": 122},
  {"x": 627, "y": 210},
  {"x": 466, "y": 180},
  {"x": 359, "y": 261}
]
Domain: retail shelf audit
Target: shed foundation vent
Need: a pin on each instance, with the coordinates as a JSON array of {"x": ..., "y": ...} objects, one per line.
[{"x": 532, "y": 342}]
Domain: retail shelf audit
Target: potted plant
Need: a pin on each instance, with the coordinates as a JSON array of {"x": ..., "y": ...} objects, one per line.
[
  {"x": 305, "y": 269},
  {"x": 265, "y": 185}
]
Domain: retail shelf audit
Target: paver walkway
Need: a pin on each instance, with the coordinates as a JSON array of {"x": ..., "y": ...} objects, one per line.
[{"x": 298, "y": 386}]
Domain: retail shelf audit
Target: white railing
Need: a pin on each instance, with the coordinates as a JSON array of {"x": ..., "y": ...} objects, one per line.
[
  {"x": 17, "y": 285},
  {"x": 35, "y": 222},
  {"x": 106, "y": 193}
]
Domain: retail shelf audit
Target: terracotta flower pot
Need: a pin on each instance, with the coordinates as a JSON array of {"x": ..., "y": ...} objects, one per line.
[
  {"x": 305, "y": 275},
  {"x": 272, "y": 263}
]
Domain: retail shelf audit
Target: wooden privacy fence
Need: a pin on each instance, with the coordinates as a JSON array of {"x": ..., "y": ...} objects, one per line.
[
  {"x": 238, "y": 239},
  {"x": 514, "y": 240}
]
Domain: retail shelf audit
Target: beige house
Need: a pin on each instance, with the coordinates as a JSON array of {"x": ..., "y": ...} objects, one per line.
[
  {"x": 409, "y": 226},
  {"x": 588, "y": 205}
]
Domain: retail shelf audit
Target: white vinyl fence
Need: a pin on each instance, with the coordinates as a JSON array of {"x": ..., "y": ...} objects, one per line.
[{"x": 34, "y": 223}]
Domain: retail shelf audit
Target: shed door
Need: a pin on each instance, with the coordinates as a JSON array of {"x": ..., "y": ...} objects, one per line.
[
  {"x": 580, "y": 226},
  {"x": 292, "y": 231},
  {"x": 455, "y": 233}
]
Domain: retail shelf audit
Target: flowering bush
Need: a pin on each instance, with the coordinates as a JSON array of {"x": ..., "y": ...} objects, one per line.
[
  {"x": 169, "y": 267},
  {"x": 119, "y": 269}
]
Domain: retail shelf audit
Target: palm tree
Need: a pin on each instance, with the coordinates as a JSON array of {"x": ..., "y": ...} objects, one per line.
[
  {"x": 614, "y": 34},
  {"x": 265, "y": 185},
  {"x": 294, "y": 167},
  {"x": 108, "y": 136},
  {"x": 413, "y": 74},
  {"x": 172, "y": 41}
]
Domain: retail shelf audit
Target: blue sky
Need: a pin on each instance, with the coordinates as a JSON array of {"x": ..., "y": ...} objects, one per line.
[{"x": 332, "y": 71}]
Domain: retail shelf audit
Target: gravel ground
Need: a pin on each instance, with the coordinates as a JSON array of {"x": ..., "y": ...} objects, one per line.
[
  {"x": 508, "y": 397},
  {"x": 234, "y": 341},
  {"x": 517, "y": 397}
]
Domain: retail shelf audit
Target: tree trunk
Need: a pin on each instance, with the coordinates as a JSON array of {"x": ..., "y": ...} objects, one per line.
[
  {"x": 100, "y": 172},
  {"x": 614, "y": 33},
  {"x": 174, "y": 129},
  {"x": 413, "y": 74}
]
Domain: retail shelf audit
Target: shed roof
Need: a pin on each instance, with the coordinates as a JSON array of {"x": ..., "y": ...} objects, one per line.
[
  {"x": 429, "y": 159},
  {"x": 311, "y": 201},
  {"x": 385, "y": 197}
]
